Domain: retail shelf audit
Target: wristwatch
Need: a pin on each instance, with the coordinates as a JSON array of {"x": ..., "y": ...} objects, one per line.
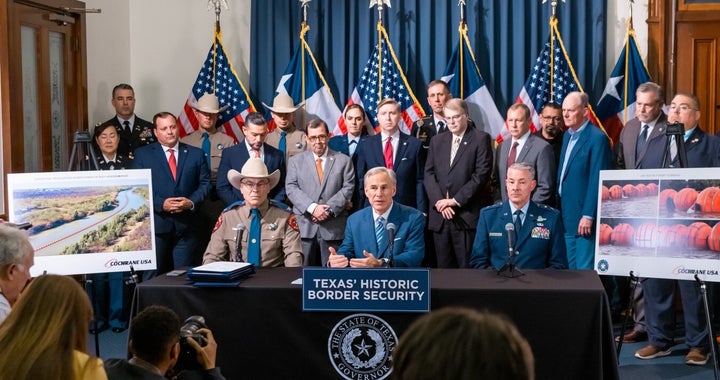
[{"x": 385, "y": 262}]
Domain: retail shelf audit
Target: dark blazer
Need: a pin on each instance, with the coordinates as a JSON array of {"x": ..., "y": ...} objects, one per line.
[
  {"x": 425, "y": 129},
  {"x": 340, "y": 144},
  {"x": 467, "y": 179},
  {"x": 536, "y": 152},
  {"x": 406, "y": 165},
  {"x": 625, "y": 157},
  {"x": 539, "y": 244},
  {"x": 193, "y": 182},
  {"x": 142, "y": 134},
  {"x": 235, "y": 157},
  {"x": 702, "y": 151},
  {"x": 409, "y": 247},
  {"x": 582, "y": 175}
]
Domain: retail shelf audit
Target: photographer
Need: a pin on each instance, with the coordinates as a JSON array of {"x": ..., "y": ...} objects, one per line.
[{"x": 156, "y": 348}]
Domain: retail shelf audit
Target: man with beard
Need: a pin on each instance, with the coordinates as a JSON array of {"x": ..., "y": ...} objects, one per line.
[{"x": 553, "y": 128}]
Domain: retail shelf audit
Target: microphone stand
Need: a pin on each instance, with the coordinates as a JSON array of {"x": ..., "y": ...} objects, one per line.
[
  {"x": 391, "y": 244},
  {"x": 711, "y": 335},
  {"x": 508, "y": 269},
  {"x": 238, "y": 242}
]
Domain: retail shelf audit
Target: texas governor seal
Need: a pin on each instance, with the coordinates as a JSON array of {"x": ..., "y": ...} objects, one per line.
[{"x": 361, "y": 346}]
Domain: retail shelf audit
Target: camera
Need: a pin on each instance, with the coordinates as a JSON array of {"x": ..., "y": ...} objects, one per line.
[{"x": 188, "y": 355}]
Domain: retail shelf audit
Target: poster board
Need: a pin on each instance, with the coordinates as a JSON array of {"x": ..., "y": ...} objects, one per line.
[
  {"x": 659, "y": 223},
  {"x": 86, "y": 222}
]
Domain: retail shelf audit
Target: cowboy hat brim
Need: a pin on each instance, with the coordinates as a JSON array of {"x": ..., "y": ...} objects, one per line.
[
  {"x": 283, "y": 109},
  {"x": 235, "y": 177}
]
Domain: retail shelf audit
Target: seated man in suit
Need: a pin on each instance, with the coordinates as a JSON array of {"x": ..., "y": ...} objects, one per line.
[
  {"x": 253, "y": 145},
  {"x": 539, "y": 241},
  {"x": 366, "y": 243},
  {"x": 181, "y": 182},
  {"x": 272, "y": 238},
  {"x": 155, "y": 346},
  {"x": 357, "y": 131}
]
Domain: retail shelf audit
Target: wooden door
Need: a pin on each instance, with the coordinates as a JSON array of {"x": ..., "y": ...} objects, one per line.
[
  {"x": 48, "y": 84},
  {"x": 698, "y": 67}
]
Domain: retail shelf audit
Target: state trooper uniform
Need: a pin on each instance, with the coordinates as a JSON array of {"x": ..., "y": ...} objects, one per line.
[
  {"x": 280, "y": 243},
  {"x": 218, "y": 142},
  {"x": 295, "y": 141}
]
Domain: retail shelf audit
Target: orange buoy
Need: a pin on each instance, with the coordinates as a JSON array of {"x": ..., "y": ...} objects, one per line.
[
  {"x": 629, "y": 191},
  {"x": 604, "y": 235},
  {"x": 615, "y": 192},
  {"x": 666, "y": 199},
  {"x": 605, "y": 193},
  {"x": 709, "y": 200},
  {"x": 622, "y": 234},
  {"x": 643, "y": 236},
  {"x": 652, "y": 188},
  {"x": 677, "y": 235},
  {"x": 685, "y": 198},
  {"x": 714, "y": 238},
  {"x": 698, "y": 235},
  {"x": 641, "y": 190},
  {"x": 660, "y": 236}
]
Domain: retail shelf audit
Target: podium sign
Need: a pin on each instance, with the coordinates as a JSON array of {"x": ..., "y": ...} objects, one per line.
[{"x": 378, "y": 290}]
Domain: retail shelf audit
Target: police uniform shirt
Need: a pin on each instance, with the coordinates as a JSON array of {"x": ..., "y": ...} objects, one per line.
[
  {"x": 218, "y": 142},
  {"x": 280, "y": 235},
  {"x": 295, "y": 141}
]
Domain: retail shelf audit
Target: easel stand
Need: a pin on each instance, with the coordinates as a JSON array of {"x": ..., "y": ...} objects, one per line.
[
  {"x": 90, "y": 290},
  {"x": 630, "y": 307},
  {"x": 83, "y": 155},
  {"x": 711, "y": 335}
]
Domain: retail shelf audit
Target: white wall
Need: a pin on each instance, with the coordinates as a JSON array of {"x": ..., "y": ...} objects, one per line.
[{"x": 158, "y": 46}]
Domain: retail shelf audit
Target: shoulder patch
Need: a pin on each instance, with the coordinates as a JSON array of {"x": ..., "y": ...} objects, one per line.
[
  {"x": 280, "y": 205},
  {"x": 292, "y": 222},
  {"x": 218, "y": 223},
  {"x": 234, "y": 205}
]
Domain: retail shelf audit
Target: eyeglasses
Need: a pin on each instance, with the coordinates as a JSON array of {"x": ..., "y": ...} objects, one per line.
[
  {"x": 254, "y": 185},
  {"x": 454, "y": 118},
  {"x": 318, "y": 138},
  {"x": 553, "y": 118},
  {"x": 680, "y": 108}
]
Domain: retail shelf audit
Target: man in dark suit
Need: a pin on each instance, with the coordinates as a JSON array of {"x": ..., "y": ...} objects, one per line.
[
  {"x": 134, "y": 132},
  {"x": 552, "y": 129},
  {"x": 586, "y": 151},
  {"x": 647, "y": 125},
  {"x": 396, "y": 151},
  {"x": 319, "y": 184},
  {"x": 438, "y": 93},
  {"x": 525, "y": 147},
  {"x": 357, "y": 131},
  {"x": 253, "y": 145},
  {"x": 539, "y": 236},
  {"x": 457, "y": 177},
  {"x": 703, "y": 150},
  {"x": 366, "y": 242},
  {"x": 181, "y": 181}
]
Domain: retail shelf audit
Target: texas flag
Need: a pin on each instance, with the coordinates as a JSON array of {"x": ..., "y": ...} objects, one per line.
[
  {"x": 617, "y": 104},
  {"x": 466, "y": 83},
  {"x": 319, "y": 103}
]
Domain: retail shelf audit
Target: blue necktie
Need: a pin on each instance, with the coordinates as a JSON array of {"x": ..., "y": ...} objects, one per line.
[
  {"x": 254, "y": 241},
  {"x": 518, "y": 223},
  {"x": 281, "y": 143},
  {"x": 206, "y": 147},
  {"x": 379, "y": 233}
]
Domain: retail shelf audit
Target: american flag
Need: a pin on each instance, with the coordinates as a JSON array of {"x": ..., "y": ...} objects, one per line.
[
  {"x": 617, "y": 104},
  {"x": 551, "y": 78},
  {"x": 218, "y": 75},
  {"x": 385, "y": 79}
]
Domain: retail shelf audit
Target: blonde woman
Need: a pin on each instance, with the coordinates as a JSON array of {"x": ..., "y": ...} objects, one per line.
[{"x": 44, "y": 336}]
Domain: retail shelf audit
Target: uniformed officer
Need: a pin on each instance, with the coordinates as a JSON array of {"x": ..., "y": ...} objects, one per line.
[
  {"x": 269, "y": 233},
  {"x": 106, "y": 139},
  {"x": 538, "y": 238},
  {"x": 286, "y": 137},
  {"x": 134, "y": 132}
]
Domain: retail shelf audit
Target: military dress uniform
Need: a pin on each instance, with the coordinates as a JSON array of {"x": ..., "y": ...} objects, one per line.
[
  {"x": 280, "y": 243},
  {"x": 295, "y": 141},
  {"x": 539, "y": 243},
  {"x": 141, "y": 134}
]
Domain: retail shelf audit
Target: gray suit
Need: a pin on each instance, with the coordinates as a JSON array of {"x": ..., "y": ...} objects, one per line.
[
  {"x": 536, "y": 152},
  {"x": 626, "y": 157},
  {"x": 303, "y": 189}
]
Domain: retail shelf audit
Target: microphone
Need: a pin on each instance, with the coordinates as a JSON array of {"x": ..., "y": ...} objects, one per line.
[
  {"x": 390, "y": 227},
  {"x": 238, "y": 242},
  {"x": 510, "y": 229}
]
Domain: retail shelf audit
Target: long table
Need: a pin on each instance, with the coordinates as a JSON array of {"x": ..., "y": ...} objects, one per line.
[{"x": 263, "y": 333}]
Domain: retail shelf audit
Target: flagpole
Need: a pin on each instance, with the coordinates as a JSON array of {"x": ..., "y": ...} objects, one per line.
[
  {"x": 380, "y": 29},
  {"x": 218, "y": 32},
  {"x": 626, "y": 78},
  {"x": 462, "y": 30},
  {"x": 304, "y": 27}
]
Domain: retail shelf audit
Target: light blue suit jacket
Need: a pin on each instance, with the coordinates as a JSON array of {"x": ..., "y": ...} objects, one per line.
[{"x": 409, "y": 247}]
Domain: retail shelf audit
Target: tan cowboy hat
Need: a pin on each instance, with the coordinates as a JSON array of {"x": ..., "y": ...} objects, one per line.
[
  {"x": 208, "y": 103},
  {"x": 283, "y": 103},
  {"x": 253, "y": 168}
]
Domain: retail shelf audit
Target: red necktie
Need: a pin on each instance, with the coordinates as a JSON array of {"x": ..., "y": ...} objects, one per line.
[
  {"x": 513, "y": 153},
  {"x": 388, "y": 153},
  {"x": 257, "y": 153},
  {"x": 172, "y": 163}
]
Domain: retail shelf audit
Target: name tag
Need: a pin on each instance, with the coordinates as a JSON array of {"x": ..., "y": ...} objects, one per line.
[
  {"x": 349, "y": 289},
  {"x": 495, "y": 234}
]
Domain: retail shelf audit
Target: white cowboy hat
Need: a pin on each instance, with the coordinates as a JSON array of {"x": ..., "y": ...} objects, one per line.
[
  {"x": 283, "y": 103},
  {"x": 209, "y": 103},
  {"x": 253, "y": 168}
]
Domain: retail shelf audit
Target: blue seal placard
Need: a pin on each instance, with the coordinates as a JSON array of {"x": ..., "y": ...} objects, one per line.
[{"x": 349, "y": 289}]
